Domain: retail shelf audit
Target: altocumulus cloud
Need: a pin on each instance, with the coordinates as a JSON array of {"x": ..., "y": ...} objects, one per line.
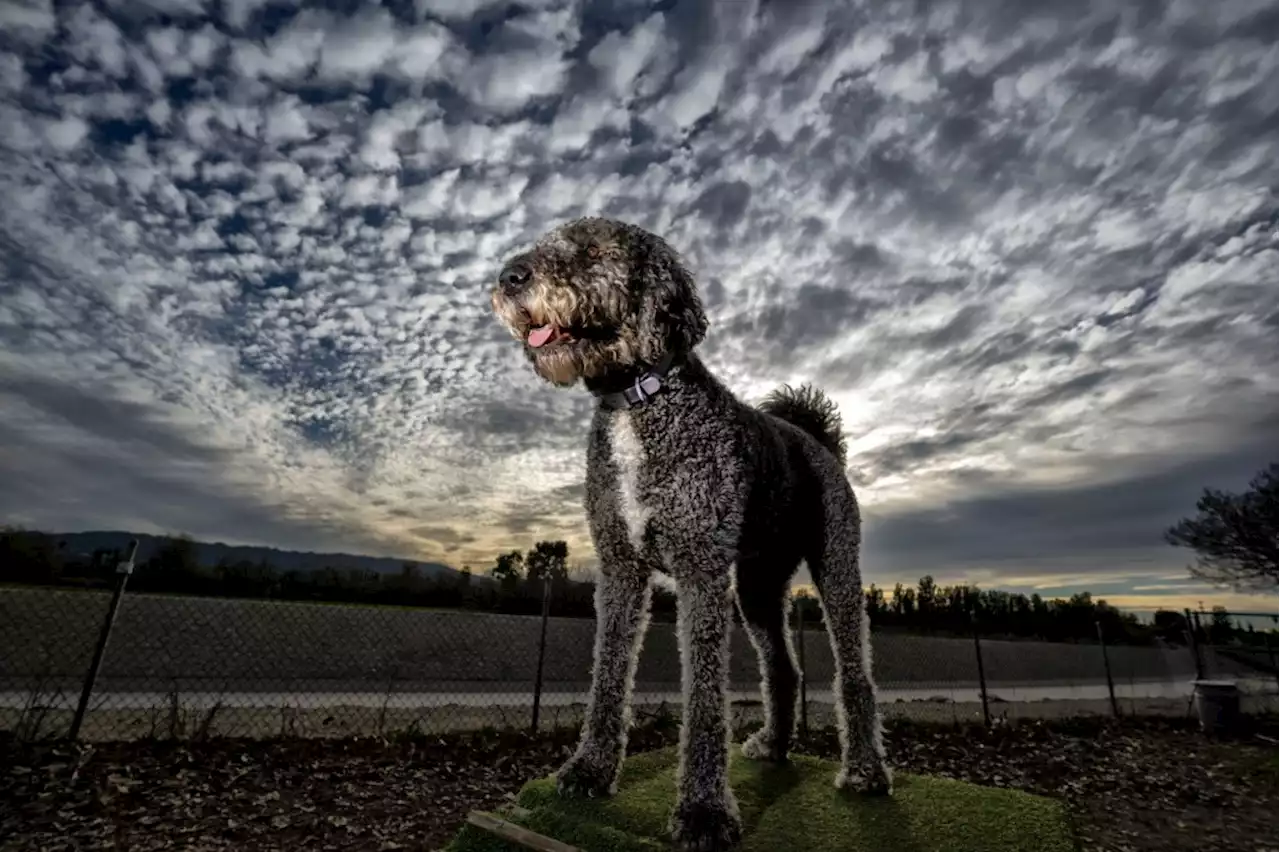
[{"x": 1030, "y": 248}]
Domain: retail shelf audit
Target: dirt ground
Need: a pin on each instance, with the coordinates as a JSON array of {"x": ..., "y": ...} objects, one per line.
[{"x": 1132, "y": 785}]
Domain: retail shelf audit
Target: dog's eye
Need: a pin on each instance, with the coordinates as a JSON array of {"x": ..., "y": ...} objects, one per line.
[{"x": 593, "y": 251}]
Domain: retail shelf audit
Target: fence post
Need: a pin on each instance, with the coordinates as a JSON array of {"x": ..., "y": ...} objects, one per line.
[
  {"x": 1193, "y": 628},
  {"x": 804, "y": 698},
  {"x": 1106, "y": 665},
  {"x": 123, "y": 569},
  {"x": 982, "y": 674},
  {"x": 542, "y": 652}
]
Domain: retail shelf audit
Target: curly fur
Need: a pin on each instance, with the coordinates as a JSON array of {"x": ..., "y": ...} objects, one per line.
[
  {"x": 725, "y": 498},
  {"x": 811, "y": 410}
]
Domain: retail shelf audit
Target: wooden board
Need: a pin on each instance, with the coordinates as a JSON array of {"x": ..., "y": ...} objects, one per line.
[{"x": 517, "y": 834}]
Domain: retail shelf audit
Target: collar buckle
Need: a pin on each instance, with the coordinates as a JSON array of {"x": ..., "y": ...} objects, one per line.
[{"x": 643, "y": 389}]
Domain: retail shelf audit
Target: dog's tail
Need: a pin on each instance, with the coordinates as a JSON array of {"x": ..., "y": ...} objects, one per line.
[{"x": 813, "y": 411}]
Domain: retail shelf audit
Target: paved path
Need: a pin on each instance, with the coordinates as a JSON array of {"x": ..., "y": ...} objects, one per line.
[{"x": 519, "y": 694}]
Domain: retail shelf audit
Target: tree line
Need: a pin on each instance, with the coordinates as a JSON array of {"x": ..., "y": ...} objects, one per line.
[
  {"x": 31, "y": 557},
  {"x": 518, "y": 580}
]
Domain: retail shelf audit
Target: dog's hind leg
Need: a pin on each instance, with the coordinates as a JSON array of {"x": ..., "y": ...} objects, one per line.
[
  {"x": 622, "y": 615},
  {"x": 837, "y": 576},
  {"x": 762, "y": 598}
]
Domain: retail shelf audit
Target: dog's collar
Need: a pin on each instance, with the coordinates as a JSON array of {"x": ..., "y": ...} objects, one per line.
[{"x": 642, "y": 389}]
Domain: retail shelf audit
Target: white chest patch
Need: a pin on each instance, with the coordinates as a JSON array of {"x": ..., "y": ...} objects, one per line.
[{"x": 628, "y": 456}]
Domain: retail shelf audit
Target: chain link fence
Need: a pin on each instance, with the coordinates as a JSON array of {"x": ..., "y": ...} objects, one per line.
[
  {"x": 191, "y": 667},
  {"x": 1239, "y": 647}
]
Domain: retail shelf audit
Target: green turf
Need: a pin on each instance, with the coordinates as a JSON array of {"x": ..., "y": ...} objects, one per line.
[{"x": 795, "y": 807}]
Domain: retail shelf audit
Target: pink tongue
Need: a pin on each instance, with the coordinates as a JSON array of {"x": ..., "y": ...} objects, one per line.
[{"x": 541, "y": 335}]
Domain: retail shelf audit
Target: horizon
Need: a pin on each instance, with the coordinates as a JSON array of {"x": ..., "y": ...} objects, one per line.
[
  {"x": 1031, "y": 257},
  {"x": 1248, "y": 607}
]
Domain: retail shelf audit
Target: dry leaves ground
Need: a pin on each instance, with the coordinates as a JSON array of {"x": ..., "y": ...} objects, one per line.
[{"x": 1131, "y": 785}]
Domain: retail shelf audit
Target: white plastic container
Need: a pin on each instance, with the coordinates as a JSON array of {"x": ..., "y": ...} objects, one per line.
[{"x": 1217, "y": 704}]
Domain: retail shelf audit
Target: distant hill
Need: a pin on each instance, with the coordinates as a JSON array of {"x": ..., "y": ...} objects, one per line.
[{"x": 211, "y": 553}]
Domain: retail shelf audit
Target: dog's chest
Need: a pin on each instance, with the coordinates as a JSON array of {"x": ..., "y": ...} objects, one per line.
[{"x": 628, "y": 456}]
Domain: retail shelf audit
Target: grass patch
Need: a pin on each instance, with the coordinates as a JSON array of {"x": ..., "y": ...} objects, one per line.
[
  {"x": 795, "y": 807},
  {"x": 1264, "y": 765}
]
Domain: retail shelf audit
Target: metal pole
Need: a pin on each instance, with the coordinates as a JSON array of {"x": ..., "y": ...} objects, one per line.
[
  {"x": 542, "y": 652},
  {"x": 982, "y": 674},
  {"x": 123, "y": 570},
  {"x": 1106, "y": 664},
  {"x": 804, "y": 697},
  {"x": 1193, "y": 630},
  {"x": 1202, "y": 641}
]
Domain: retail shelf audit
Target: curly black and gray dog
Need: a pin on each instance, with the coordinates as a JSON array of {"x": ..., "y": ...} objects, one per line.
[{"x": 725, "y": 498}]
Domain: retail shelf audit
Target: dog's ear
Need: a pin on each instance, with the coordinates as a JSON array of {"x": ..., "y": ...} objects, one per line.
[{"x": 671, "y": 314}]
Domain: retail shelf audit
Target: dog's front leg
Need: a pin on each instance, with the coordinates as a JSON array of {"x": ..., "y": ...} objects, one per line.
[
  {"x": 622, "y": 613},
  {"x": 706, "y": 813}
]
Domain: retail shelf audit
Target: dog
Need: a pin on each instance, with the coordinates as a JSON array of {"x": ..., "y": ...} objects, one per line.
[{"x": 725, "y": 498}]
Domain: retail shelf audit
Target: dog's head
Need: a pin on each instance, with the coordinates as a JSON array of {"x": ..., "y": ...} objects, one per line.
[{"x": 596, "y": 296}]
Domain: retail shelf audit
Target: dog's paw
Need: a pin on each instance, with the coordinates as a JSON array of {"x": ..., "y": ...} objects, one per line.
[
  {"x": 706, "y": 826},
  {"x": 875, "y": 780},
  {"x": 583, "y": 777},
  {"x": 762, "y": 745}
]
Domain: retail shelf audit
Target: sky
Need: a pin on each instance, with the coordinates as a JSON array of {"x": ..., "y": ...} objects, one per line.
[{"x": 1028, "y": 247}]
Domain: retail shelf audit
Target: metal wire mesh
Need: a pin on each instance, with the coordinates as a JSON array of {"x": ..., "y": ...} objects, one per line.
[
  {"x": 1240, "y": 647},
  {"x": 184, "y": 666},
  {"x": 178, "y": 666}
]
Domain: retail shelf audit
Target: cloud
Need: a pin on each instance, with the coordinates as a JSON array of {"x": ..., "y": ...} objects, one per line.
[
  {"x": 28, "y": 21},
  {"x": 622, "y": 57},
  {"x": 1121, "y": 516},
  {"x": 67, "y": 133},
  {"x": 1031, "y": 254}
]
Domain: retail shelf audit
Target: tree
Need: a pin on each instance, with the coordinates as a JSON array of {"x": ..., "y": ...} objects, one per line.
[
  {"x": 178, "y": 555},
  {"x": 1220, "y": 626},
  {"x": 547, "y": 559},
  {"x": 173, "y": 567},
  {"x": 806, "y": 606},
  {"x": 103, "y": 560},
  {"x": 1170, "y": 625},
  {"x": 27, "y": 556},
  {"x": 508, "y": 571},
  {"x": 245, "y": 579},
  {"x": 876, "y": 605},
  {"x": 1233, "y": 536},
  {"x": 410, "y": 579},
  {"x": 926, "y": 596}
]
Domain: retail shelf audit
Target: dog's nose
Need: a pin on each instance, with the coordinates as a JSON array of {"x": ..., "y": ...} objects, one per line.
[{"x": 515, "y": 276}]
